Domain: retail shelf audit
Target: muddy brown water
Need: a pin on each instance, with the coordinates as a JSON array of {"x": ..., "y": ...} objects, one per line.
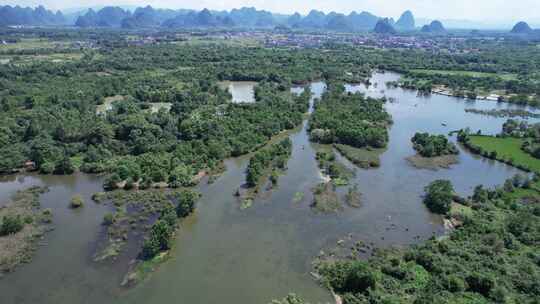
[{"x": 227, "y": 255}]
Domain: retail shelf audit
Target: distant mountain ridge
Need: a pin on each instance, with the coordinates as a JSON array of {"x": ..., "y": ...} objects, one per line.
[
  {"x": 245, "y": 17},
  {"x": 39, "y": 16},
  {"x": 149, "y": 17},
  {"x": 106, "y": 17},
  {"x": 203, "y": 18}
]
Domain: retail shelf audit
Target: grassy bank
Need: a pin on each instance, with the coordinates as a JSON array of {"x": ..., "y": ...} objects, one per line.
[
  {"x": 505, "y": 149},
  {"x": 363, "y": 157}
]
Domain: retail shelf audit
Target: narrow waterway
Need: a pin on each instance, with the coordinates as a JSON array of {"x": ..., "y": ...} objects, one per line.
[{"x": 228, "y": 255}]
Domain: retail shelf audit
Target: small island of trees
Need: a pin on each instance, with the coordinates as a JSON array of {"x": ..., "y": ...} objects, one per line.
[
  {"x": 350, "y": 119},
  {"x": 428, "y": 145}
]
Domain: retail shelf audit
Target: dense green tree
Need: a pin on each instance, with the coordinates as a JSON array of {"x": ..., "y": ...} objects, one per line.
[
  {"x": 438, "y": 196},
  {"x": 266, "y": 160},
  {"x": 186, "y": 203},
  {"x": 159, "y": 240},
  {"x": 64, "y": 166},
  {"x": 349, "y": 119}
]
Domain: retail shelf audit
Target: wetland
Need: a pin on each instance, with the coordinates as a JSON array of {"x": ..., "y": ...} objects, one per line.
[{"x": 256, "y": 254}]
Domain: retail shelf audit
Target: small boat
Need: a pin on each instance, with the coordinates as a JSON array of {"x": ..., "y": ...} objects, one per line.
[{"x": 443, "y": 124}]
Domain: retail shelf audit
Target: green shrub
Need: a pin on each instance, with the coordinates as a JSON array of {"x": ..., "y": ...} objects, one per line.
[
  {"x": 47, "y": 168},
  {"x": 76, "y": 202},
  {"x": 454, "y": 283},
  {"x": 11, "y": 224},
  {"x": 150, "y": 248},
  {"x": 111, "y": 182},
  {"x": 480, "y": 283},
  {"x": 108, "y": 219},
  {"x": 186, "y": 203},
  {"x": 64, "y": 166},
  {"x": 359, "y": 279}
]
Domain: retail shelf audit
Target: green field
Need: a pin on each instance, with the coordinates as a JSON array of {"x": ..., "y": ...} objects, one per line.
[
  {"x": 507, "y": 148},
  {"x": 29, "y": 59},
  {"x": 465, "y": 73},
  {"x": 29, "y": 44}
]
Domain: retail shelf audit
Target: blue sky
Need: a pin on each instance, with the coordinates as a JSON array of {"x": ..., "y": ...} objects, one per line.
[{"x": 478, "y": 10}]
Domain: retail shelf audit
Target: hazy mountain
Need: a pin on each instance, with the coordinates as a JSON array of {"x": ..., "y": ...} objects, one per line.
[
  {"x": 406, "y": 22},
  {"x": 107, "y": 17},
  {"x": 315, "y": 19},
  {"x": 16, "y": 15},
  {"x": 280, "y": 18},
  {"x": 148, "y": 17},
  {"x": 334, "y": 21},
  {"x": 384, "y": 26},
  {"x": 434, "y": 27},
  {"x": 294, "y": 19},
  {"x": 521, "y": 28},
  {"x": 338, "y": 22},
  {"x": 251, "y": 17},
  {"x": 247, "y": 17},
  {"x": 474, "y": 24},
  {"x": 90, "y": 19},
  {"x": 363, "y": 21},
  {"x": 204, "y": 18},
  {"x": 112, "y": 16}
]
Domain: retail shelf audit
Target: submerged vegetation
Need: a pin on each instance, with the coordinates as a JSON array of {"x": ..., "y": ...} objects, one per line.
[
  {"x": 433, "y": 163},
  {"x": 338, "y": 173},
  {"x": 152, "y": 213},
  {"x": 505, "y": 113},
  {"x": 325, "y": 198},
  {"x": 353, "y": 197},
  {"x": 22, "y": 224}
]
